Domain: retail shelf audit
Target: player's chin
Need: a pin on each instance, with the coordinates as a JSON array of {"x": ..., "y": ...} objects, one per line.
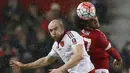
[{"x": 54, "y": 37}]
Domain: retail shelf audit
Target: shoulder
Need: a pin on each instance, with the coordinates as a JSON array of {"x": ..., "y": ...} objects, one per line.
[
  {"x": 72, "y": 34},
  {"x": 54, "y": 45},
  {"x": 99, "y": 35},
  {"x": 97, "y": 32}
]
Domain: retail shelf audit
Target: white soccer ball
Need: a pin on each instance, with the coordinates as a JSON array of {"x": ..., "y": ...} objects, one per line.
[{"x": 86, "y": 10}]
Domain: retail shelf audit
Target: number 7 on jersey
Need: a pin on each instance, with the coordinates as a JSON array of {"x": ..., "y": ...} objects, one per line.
[{"x": 88, "y": 41}]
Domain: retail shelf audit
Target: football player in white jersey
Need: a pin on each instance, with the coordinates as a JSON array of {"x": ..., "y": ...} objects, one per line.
[{"x": 69, "y": 46}]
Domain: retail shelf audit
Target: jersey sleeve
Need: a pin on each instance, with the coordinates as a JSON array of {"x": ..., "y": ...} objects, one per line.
[
  {"x": 105, "y": 44},
  {"x": 75, "y": 38},
  {"x": 53, "y": 53}
]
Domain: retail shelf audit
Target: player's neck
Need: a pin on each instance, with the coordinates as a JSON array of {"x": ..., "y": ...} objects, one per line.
[
  {"x": 88, "y": 28},
  {"x": 61, "y": 37}
]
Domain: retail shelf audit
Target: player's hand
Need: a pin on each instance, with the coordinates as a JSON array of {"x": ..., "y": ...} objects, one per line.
[
  {"x": 117, "y": 63},
  {"x": 15, "y": 64},
  {"x": 57, "y": 71}
]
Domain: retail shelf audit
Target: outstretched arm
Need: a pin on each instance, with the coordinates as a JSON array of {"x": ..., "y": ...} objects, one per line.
[{"x": 36, "y": 64}]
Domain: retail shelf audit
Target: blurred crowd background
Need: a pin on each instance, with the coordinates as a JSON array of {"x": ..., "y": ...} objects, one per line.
[{"x": 24, "y": 32}]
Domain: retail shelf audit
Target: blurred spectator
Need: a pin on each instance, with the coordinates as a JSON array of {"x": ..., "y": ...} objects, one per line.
[
  {"x": 56, "y": 9},
  {"x": 126, "y": 56},
  {"x": 48, "y": 17},
  {"x": 44, "y": 43},
  {"x": 53, "y": 13},
  {"x": 71, "y": 17},
  {"x": 24, "y": 44},
  {"x": 32, "y": 17},
  {"x": 16, "y": 17},
  {"x": 32, "y": 20},
  {"x": 15, "y": 20},
  {"x": 11, "y": 14},
  {"x": 6, "y": 52},
  {"x": 71, "y": 14},
  {"x": 12, "y": 7}
]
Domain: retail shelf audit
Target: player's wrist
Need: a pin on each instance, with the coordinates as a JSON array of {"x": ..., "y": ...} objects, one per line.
[
  {"x": 119, "y": 60},
  {"x": 63, "y": 69},
  {"x": 22, "y": 65}
]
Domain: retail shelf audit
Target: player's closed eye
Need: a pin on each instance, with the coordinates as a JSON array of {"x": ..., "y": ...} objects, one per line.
[{"x": 50, "y": 30}]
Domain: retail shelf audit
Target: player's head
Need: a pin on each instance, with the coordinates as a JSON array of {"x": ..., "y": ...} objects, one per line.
[
  {"x": 83, "y": 24},
  {"x": 93, "y": 23},
  {"x": 56, "y": 29}
]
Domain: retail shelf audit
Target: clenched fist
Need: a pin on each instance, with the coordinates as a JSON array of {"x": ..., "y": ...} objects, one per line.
[{"x": 117, "y": 63}]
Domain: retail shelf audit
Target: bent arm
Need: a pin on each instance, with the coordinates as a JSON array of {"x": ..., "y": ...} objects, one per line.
[
  {"x": 75, "y": 58},
  {"x": 114, "y": 53}
]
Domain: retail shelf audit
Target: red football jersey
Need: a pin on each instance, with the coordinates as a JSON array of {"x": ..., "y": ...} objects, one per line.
[{"x": 96, "y": 44}]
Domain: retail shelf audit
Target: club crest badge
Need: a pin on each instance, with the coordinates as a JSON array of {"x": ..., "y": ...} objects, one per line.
[{"x": 62, "y": 43}]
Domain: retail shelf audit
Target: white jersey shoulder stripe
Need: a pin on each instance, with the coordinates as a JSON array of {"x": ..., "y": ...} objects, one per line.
[{"x": 108, "y": 47}]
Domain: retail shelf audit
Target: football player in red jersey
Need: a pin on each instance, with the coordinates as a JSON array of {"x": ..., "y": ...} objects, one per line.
[{"x": 97, "y": 45}]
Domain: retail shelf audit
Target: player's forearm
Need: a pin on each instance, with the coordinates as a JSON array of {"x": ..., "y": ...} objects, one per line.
[
  {"x": 75, "y": 59},
  {"x": 38, "y": 63},
  {"x": 114, "y": 53}
]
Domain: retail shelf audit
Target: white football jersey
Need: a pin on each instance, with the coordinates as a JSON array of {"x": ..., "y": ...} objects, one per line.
[{"x": 64, "y": 50}]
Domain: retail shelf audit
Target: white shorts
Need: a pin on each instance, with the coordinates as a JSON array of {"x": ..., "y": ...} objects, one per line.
[{"x": 101, "y": 71}]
